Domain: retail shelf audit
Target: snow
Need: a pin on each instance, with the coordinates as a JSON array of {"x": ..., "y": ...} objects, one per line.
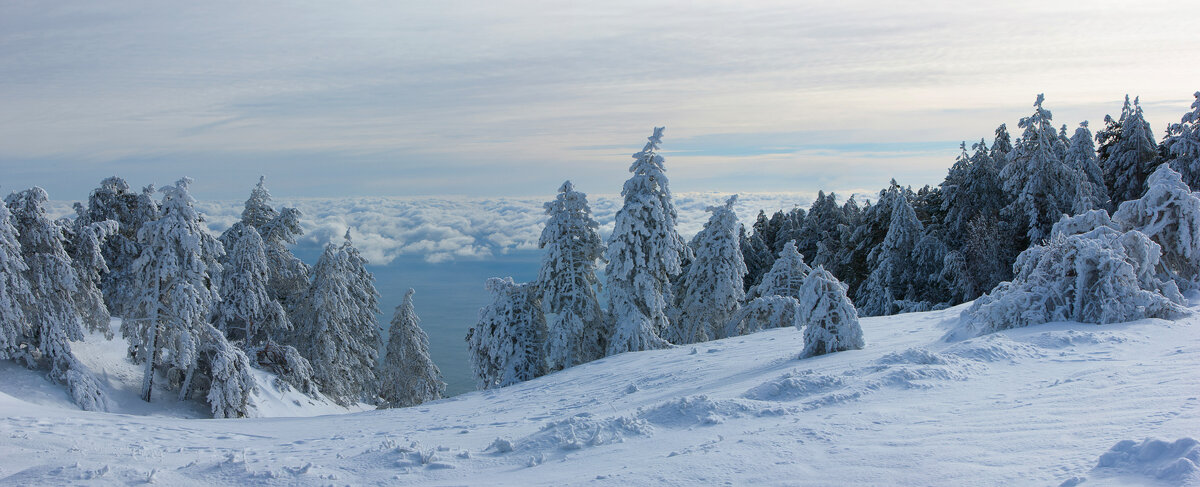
[{"x": 1049, "y": 404}]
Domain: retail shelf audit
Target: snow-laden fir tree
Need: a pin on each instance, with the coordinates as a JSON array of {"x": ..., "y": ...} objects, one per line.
[
  {"x": 644, "y": 254},
  {"x": 757, "y": 256},
  {"x": 768, "y": 228},
  {"x": 1168, "y": 213},
  {"x": 1133, "y": 156},
  {"x": 1100, "y": 276},
  {"x": 506, "y": 345},
  {"x": 15, "y": 295},
  {"x": 84, "y": 242},
  {"x": 339, "y": 323},
  {"x": 258, "y": 211},
  {"x": 869, "y": 235},
  {"x": 791, "y": 226},
  {"x": 54, "y": 319},
  {"x": 930, "y": 285},
  {"x": 246, "y": 310},
  {"x": 819, "y": 239},
  {"x": 408, "y": 376},
  {"x": 1184, "y": 141},
  {"x": 712, "y": 290},
  {"x": 890, "y": 263},
  {"x": 786, "y": 274},
  {"x": 568, "y": 283},
  {"x": 1091, "y": 193},
  {"x": 1042, "y": 186},
  {"x": 971, "y": 188},
  {"x": 289, "y": 276},
  {"x": 113, "y": 200},
  {"x": 1001, "y": 147},
  {"x": 829, "y": 320},
  {"x": 168, "y": 324}
]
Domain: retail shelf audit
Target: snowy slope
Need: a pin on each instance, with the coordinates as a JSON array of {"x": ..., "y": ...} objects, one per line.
[{"x": 1033, "y": 406}]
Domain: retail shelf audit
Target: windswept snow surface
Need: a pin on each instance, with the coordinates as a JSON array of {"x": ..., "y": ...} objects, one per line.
[{"x": 1054, "y": 404}]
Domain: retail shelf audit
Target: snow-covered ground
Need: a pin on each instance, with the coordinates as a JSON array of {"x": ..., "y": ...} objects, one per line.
[{"x": 1045, "y": 405}]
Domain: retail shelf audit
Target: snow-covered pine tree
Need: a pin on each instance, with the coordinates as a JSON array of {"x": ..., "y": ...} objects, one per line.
[
  {"x": 712, "y": 288},
  {"x": 113, "y": 200},
  {"x": 1168, "y": 213},
  {"x": 408, "y": 377},
  {"x": 1081, "y": 158},
  {"x": 786, "y": 274},
  {"x": 791, "y": 227},
  {"x": 1133, "y": 156},
  {"x": 1042, "y": 186},
  {"x": 757, "y": 256},
  {"x": 765, "y": 230},
  {"x": 890, "y": 263},
  {"x": 84, "y": 242},
  {"x": 54, "y": 318},
  {"x": 971, "y": 188},
  {"x": 343, "y": 335},
  {"x": 258, "y": 211},
  {"x": 1184, "y": 141},
  {"x": 15, "y": 295},
  {"x": 1001, "y": 147},
  {"x": 869, "y": 235},
  {"x": 930, "y": 287},
  {"x": 829, "y": 320},
  {"x": 246, "y": 310},
  {"x": 567, "y": 281},
  {"x": 819, "y": 238},
  {"x": 644, "y": 254},
  {"x": 506, "y": 345},
  {"x": 168, "y": 323}
]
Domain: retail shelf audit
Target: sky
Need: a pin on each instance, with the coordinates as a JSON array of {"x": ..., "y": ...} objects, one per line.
[{"x": 504, "y": 99}]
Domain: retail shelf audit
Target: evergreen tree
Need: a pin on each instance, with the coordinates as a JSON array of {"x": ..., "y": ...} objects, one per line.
[
  {"x": 258, "y": 212},
  {"x": 929, "y": 282},
  {"x": 54, "y": 318},
  {"x": 289, "y": 276},
  {"x": 786, "y": 274},
  {"x": 1041, "y": 184},
  {"x": 1184, "y": 141},
  {"x": 113, "y": 200},
  {"x": 765, "y": 230},
  {"x": 168, "y": 324},
  {"x": 791, "y": 227},
  {"x": 1001, "y": 147},
  {"x": 829, "y": 318},
  {"x": 1081, "y": 158},
  {"x": 644, "y": 254},
  {"x": 971, "y": 188},
  {"x": 756, "y": 255},
  {"x": 506, "y": 344},
  {"x": 1133, "y": 156},
  {"x": 1168, "y": 213},
  {"x": 343, "y": 336},
  {"x": 246, "y": 309},
  {"x": 15, "y": 295},
  {"x": 84, "y": 242},
  {"x": 568, "y": 283},
  {"x": 891, "y": 270},
  {"x": 408, "y": 377},
  {"x": 712, "y": 287},
  {"x": 819, "y": 238},
  {"x": 869, "y": 235}
]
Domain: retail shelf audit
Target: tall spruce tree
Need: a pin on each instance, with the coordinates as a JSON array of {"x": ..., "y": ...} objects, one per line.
[
  {"x": 711, "y": 290},
  {"x": 408, "y": 377},
  {"x": 644, "y": 254},
  {"x": 1091, "y": 193},
  {"x": 1132, "y": 157},
  {"x": 1183, "y": 139},
  {"x": 246, "y": 310},
  {"x": 1042, "y": 186},
  {"x": 756, "y": 254},
  {"x": 15, "y": 295},
  {"x": 506, "y": 346},
  {"x": 891, "y": 263},
  {"x": 568, "y": 283},
  {"x": 113, "y": 200}
]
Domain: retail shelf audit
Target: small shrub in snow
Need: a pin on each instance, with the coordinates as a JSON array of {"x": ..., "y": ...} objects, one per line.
[
  {"x": 1102, "y": 276},
  {"x": 829, "y": 318}
]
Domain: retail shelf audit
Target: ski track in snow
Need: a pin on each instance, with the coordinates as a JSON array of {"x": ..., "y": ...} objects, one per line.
[{"x": 1055, "y": 404}]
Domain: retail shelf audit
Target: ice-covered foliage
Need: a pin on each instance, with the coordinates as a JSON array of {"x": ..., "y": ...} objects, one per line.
[
  {"x": 1083, "y": 223},
  {"x": 246, "y": 310},
  {"x": 828, "y": 318},
  {"x": 1042, "y": 186},
  {"x": 819, "y": 238},
  {"x": 1091, "y": 193},
  {"x": 711, "y": 290},
  {"x": 341, "y": 333},
  {"x": 54, "y": 319},
  {"x": 1132, "y": 157},
  {"x": 84, "y": 242},
  {"x": 971, "y": 188},
  {"x": 1001, "y": 146},
  {"x": 113, "y": 200},
  {"x": 568, "y": 283},
  {"x": 928, "y": 282},
  {"x": 15, "y": 294},
  {"x": 289, "y": 276},
  {"x": 1102, "y": 276},
  {"x": 178, "y": 269},
  {"x": 786, "y": 274},
  {"x": 506, "y": 345},
  {"x": 868, "y": 236},
  {"x": 408, "y": 376},
  {"x": 1183, "y": 141},
  {"x": 1168, "y": 213},
  {"x": 891, "y": 262},
  {"x": 756, "y": 255},
  {"x": 227, "y": 370},
  {"x": 258, "y": 211},
  {"x": 644, "y": 254},
  {"x": 762, "y": 313}
]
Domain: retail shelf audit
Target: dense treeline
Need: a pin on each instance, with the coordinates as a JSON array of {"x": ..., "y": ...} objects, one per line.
[{"x": 905, "y": 251}]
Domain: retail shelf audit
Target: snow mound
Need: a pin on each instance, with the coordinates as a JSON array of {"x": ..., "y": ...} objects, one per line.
[
  {"x": 700, "y": 410},
  {"x": 918, "y": 368},
  {"x": 578, "y": 432},
  {"x": 794, "y": 385},
  {"x": 1071, "y": 338},
  {"x": 1177, "y": 463},
  {"x": 995, "y": 348}
]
